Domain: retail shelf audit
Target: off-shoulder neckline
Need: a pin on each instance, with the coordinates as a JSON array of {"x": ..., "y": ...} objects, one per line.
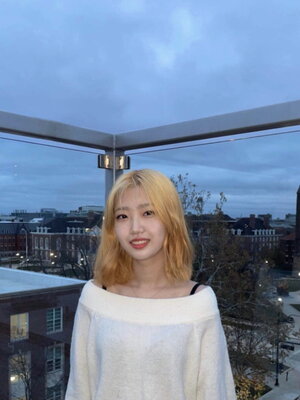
[
  {"x": 132, "y": 298},
  {"x": 173, "y": 310}
]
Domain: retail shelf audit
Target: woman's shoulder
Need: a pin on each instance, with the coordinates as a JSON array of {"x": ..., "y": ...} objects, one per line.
[
  {"x": 89, "y": 291},
  {"x": 195, "y": 287}
]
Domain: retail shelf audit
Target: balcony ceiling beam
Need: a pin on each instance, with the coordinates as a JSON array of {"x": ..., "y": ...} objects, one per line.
[
  {"x": 253, "y": 120},
  {"x": 56, "y": 131}
]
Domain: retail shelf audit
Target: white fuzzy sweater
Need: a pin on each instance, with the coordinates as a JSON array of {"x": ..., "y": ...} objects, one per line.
[{"x": 148, "y": 349}]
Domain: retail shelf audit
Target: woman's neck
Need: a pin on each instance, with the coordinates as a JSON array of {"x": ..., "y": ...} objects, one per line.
[{"x": 149, "y": 276}]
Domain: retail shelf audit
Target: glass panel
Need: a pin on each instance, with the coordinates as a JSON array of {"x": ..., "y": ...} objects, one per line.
[
  {"x": 242, "y": 216},
  {"x": 50, "y": 212},
  {"x": 244, "y": 249},
  {"x": 255, "y": 172}
]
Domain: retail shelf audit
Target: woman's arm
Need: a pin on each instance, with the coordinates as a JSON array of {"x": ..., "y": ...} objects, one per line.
[
  {"x": 215, "y": 381},
  {"x": 79, "y": 385}
]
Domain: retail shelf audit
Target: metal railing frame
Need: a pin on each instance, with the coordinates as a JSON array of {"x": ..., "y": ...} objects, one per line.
[{"x": 241, "y": 122}]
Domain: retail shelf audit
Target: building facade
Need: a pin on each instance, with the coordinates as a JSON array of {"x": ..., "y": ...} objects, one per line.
[
  {"x": 36, "y": 319},
  {"x": 256, "y": 233},
  {"x": 70, "y": 238},
  {"x": 15, "y": 240},
  {"x": 296, "y": 261}
]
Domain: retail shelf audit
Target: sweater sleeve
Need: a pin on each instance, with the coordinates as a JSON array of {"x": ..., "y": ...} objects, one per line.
[
  {"x": 78, "y": 386},
  {"x": 215, "y": 381}
]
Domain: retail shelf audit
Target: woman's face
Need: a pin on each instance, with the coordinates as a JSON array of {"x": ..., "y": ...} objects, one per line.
[{"x": 140, "y": 232}]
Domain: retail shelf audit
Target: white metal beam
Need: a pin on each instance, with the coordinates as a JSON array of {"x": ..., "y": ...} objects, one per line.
[
  {"x": 257, "y": 119},
  {"x": 253, "y": 120},
  {"x": 57, "y": 131}
]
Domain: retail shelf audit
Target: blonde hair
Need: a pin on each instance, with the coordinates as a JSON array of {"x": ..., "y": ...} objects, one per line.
[{"x": 113, "y": 265}]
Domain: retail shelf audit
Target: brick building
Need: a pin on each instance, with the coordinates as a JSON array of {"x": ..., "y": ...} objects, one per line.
[
  {"x": 15, "y": 237},
  {"x": 69, "y": 237},
  {"x": 36, "y": 321},
  {"x": 256, "y": 233}
]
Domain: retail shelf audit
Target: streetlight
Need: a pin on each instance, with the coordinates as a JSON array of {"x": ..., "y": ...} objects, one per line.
[{"x": 52, "y": 258}]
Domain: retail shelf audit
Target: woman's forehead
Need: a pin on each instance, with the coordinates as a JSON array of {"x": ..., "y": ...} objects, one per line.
[{"x": 132, "y": 196}]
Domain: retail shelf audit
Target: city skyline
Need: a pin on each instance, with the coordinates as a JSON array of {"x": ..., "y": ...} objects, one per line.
[{"x": 9, "y": 212}]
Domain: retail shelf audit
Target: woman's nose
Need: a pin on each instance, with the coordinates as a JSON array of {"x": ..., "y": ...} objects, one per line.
[{"x": 136, "y": 225}]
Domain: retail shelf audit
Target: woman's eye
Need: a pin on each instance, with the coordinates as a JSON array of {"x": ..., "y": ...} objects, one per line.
[
  {"x": 121, "y": 216},
  {"x": 149, "y": 212}
]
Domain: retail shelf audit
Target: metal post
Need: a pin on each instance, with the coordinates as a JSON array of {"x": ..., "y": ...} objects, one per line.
[
  {"x": 277, "y": 356},
  {"x": 26, "y": 240},
  {"x": 278, "y": 341},
  {"x": 112, "y": 174}
]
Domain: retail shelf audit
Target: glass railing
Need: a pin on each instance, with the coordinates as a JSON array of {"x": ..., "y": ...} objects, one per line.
[
  {"x": 240, "y": 203},
  {"x": 50, "y": 216},
  {"x": 239, "y": 195}
]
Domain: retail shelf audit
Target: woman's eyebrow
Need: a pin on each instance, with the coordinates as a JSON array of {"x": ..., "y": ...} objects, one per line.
[
  {"x": 121, "y": 208},
  {"x": 144, "y": 205}
]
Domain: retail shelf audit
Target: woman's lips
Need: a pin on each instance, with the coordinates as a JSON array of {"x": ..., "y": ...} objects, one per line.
[{"x": 139, "y": 243}]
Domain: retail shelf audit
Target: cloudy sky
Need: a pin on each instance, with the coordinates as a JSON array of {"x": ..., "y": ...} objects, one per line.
[{"x": 123, "y": 65}]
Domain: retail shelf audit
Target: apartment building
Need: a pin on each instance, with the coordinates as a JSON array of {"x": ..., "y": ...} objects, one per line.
[{"x": 36, "y": 321}]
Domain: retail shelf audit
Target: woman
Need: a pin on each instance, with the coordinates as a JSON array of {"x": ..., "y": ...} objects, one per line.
[{"x": 143, "y": 329}]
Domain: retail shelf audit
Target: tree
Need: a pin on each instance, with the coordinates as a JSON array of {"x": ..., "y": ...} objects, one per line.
[
  {"x": 192, "y": 199},
  {"x": 249, "y": 389},
  {"x": 249, "y": 319},
  {"x": 27, "y": 378},
  {"x": 20, "y": 375},
  {"x": 81, "y": 266}
]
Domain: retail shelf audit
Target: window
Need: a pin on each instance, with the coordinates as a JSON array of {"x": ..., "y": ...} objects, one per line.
[
  {"x": 55, "y": 392},
  {"x": 54, "y": 320},
  {"x": 58, "y": 244},
  {"x": 47, "y": 244},
  {"x": 18, "y": 327},
  {"x": 55, "y": 358},
  {"x": 19, "y": 375}
]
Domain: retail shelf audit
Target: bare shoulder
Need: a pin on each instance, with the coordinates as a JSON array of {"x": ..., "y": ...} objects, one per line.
[
  {"x": 187, "y": 286},
  {"x": 199, "y": 288},
  {"x": 112, "y": 288}
]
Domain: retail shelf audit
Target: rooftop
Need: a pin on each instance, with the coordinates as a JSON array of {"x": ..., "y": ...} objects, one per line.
[{"x": 17, "y": 281}]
